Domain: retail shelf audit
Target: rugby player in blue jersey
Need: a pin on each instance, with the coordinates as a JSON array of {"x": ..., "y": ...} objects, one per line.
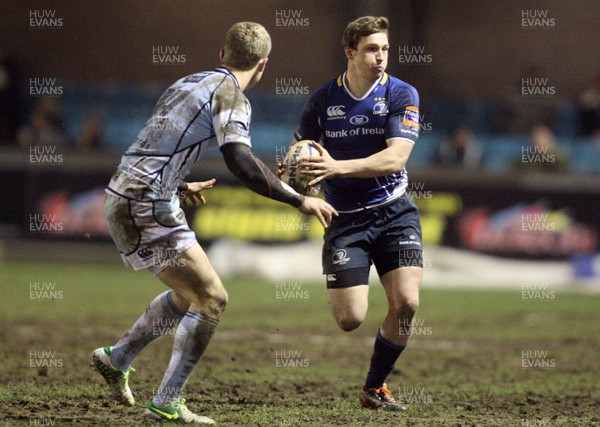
[
  {"x": 367, "y": 123},
  {"x": 198, "y": 112}
]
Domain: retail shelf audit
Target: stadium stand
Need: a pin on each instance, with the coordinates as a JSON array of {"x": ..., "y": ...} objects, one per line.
[{"x": 124, "y": 108}]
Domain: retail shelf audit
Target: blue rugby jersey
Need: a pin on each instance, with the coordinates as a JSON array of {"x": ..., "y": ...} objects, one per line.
[{"x": 353, "y": 128}]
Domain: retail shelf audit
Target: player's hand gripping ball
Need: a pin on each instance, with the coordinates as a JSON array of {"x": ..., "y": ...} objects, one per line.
[{"x": 291, "y": 170}]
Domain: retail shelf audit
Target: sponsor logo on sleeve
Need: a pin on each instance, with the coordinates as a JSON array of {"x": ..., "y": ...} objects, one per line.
[{"x": 411, "y": 117}]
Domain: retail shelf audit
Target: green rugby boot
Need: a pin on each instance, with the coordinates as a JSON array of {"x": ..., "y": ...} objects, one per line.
[
  {"x": 175, "y": 412},
  {"x": 117, "y": 380}
]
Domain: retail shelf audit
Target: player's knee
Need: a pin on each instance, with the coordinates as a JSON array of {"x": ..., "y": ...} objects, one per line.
[
  {"x": 216, "y": 295},
  {"x": 407, "y": 307},
  {"x": 413, "y": 304},
  {"x": 222, "y": 299},
  {"x": 211, "y": 296},
  {"x": 348, "y": 323}
]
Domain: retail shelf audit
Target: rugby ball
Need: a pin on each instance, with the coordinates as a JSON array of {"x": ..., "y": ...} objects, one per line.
[{"x": 291, "y": 171}]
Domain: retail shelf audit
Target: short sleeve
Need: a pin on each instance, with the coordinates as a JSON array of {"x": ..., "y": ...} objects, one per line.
[
  {"x": 231, "y": 113},
  {"x": 403, "y": 119}
]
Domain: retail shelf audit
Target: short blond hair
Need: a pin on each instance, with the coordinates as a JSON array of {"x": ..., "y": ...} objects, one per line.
[
  {"x": 246, "y": 43},
  {"x": 364, "y": 27}
]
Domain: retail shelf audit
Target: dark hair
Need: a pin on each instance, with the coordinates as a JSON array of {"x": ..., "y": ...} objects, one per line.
[{"x": 363, "y": 27}]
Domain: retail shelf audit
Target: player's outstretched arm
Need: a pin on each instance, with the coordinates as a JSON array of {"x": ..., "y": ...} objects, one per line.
[{"x": 259, "y": 178}]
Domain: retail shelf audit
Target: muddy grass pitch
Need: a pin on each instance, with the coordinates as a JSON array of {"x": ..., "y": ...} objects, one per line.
[{"x": 476, "y": 358}]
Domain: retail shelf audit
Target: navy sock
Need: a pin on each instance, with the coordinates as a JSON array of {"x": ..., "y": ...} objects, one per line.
[{"x": 385, "y": 354}]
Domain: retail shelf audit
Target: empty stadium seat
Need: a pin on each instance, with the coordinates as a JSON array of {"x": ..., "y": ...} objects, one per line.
[{"x": 585, "y": 157}]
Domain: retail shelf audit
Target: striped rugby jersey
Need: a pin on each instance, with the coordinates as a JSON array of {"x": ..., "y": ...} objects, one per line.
[{"x": 198, "y": 112}]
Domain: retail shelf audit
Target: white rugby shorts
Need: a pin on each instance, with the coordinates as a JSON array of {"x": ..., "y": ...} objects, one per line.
[{"x": 150, "y": 234}]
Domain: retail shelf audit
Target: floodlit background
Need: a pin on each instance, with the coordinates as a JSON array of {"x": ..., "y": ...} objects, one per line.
[{"x": 506, "y": 171}]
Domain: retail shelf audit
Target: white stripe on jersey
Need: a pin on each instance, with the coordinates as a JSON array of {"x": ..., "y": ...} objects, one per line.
[{"x": 397, "y": 192}]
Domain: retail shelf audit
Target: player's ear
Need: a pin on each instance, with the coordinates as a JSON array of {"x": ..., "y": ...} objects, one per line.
[
  {"x": 348, "y": 52},
  {"x": 222, "y": 54},
  {"x": 262, "y": 64}
]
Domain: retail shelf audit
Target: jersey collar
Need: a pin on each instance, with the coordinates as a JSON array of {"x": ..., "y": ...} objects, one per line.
[
  {"x": 341, "y": 80},
  {"x": 229, "y": 73}
]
